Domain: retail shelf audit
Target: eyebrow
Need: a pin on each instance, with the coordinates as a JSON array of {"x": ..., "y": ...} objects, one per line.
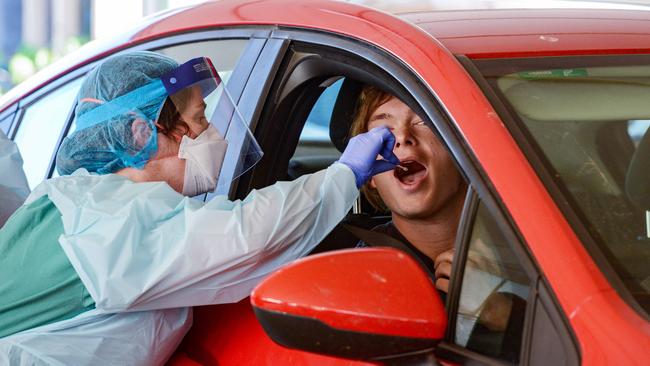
[{"x": 381, "y": 116}]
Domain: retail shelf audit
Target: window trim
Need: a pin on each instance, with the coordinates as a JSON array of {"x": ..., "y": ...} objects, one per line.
[
  {"x": 463, "y": 237},
  {"x": 269, "y": 59},
  {"x": 8, "y": 116},
  {"x": 16, "y": 122},
  {"x": 544, "y": 298},
  {"x": 539, "y": 293},
  {"x": 448, "y": 348}
]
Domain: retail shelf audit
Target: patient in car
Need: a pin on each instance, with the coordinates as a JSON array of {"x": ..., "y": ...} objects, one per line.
[
  {"x": 426, "y": 196},
  {"x": 425, "y": 200}
]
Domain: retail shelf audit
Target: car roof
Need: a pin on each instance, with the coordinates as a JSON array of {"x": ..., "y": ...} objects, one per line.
[
  {"x": 512, "y": 28},
  {"x": 502, "y": 33},
  {"x": 483, "y": 33},
  {"x": 486, "y": 33}
]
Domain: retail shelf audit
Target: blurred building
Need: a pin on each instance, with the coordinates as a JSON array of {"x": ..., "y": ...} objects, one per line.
[
  {"x": 33, "y": 33},
  {"x": 110, "y": 17},
  {"x": 52, "y": 23},
  {"x": 10, "y": 28},
  {"x": 41, "y": 24}
]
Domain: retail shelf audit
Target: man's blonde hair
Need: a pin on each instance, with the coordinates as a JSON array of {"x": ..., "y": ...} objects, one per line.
[{"x": 369, "y": 100}]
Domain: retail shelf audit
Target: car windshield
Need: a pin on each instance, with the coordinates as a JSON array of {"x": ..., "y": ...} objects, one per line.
[{"x": 586, "y": 120}]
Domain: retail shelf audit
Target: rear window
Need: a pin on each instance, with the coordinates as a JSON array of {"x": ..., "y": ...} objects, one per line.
[{"x": 588, "y": 118}]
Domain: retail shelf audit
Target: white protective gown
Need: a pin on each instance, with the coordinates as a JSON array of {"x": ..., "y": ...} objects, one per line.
[
  {"x": 13, "y": 183},
  {"x": 142, "y": 247}
]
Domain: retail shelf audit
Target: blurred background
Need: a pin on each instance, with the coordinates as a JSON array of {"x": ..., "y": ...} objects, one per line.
[{"x": 34, "y": 33}]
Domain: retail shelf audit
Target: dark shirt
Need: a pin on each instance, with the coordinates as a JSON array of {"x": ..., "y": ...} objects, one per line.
[{"x": 390, "y": 230}]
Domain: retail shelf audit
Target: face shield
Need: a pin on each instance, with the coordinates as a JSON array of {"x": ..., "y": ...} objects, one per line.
[{"x": 178, "y": 101}]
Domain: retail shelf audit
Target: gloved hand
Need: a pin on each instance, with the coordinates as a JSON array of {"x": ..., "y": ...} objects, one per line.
[{"x": 362, "y": 150}]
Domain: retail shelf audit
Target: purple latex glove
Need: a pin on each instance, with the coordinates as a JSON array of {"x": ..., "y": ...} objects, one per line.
[{"x": 362, "y": 150}]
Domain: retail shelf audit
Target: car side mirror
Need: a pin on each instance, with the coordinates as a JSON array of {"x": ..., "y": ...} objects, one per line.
[{"x": 369, "y": 304}]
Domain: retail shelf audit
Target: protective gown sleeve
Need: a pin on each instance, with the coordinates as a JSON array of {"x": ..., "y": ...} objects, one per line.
[
  {"x": 13, "y": 183},
  {"x": 142, "y": 246},
  {"x": 141, "y": 338}
]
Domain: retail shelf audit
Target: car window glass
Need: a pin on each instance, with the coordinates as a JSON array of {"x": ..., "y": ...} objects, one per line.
[
  {"x": 587, "y": 118},
  {"x": 315, "y": 150},
  {"x": 40, "y": 128},
  {"x": 636, "y": 129},
  {"x": 493, "y": 294}
]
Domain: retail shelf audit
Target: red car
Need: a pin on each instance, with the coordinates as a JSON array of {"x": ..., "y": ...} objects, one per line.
[{"x": 546, "y": 114}]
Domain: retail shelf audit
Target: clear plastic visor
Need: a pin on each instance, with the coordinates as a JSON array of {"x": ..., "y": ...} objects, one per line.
[{"x": 202, "y": 99}]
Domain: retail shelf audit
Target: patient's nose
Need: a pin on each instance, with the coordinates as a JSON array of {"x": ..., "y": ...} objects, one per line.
[{"x": 403, "y": 136}]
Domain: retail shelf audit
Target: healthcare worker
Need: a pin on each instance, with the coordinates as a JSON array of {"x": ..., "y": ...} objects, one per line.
[
  {"x": 100, "y": 266},
  {"x": 13, "y": 183}
]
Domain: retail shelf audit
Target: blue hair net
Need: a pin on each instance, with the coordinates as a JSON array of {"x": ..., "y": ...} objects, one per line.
[{"x": 122, "y": 133}]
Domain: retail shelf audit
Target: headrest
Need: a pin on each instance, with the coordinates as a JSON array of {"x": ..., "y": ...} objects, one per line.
[
  {"x": 343, "y": 113},
  {"x": 637, "y": 179}
]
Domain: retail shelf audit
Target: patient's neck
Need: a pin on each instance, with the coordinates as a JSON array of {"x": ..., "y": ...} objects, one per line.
[{"x": 434, "y": 234}]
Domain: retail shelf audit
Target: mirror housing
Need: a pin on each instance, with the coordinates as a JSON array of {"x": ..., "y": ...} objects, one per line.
[{"x": 370, "y": 304}]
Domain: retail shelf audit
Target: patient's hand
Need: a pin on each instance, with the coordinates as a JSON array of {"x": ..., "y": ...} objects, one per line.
[{"x": 442, "y": 265}]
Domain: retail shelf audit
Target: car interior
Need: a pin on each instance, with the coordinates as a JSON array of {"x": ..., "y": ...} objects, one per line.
[
  {"x": 314, "y": 154},
  {"x": 314, "y": 104},
  {"x": 333, "y": 112},
  {"x": 591, "y": 125},
  {"x": 310, "y": 110}
]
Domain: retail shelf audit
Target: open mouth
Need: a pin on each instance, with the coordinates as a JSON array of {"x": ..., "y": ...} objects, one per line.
[{"x": 413, "y": 173}]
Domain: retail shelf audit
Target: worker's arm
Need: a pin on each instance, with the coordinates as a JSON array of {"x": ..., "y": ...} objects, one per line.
[{"x": 142, "y": 246}]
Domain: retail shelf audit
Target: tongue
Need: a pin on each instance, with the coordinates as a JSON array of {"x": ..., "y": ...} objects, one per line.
[{"x": 412, "y": 178}]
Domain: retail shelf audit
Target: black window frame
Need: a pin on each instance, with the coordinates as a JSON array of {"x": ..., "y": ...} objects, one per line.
[
  {"x": 448, "y": 348},
  {"x": 539, "y": 296}
]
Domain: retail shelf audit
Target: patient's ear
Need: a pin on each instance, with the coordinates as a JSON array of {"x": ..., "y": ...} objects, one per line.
[{"x": 372, "y": 184}]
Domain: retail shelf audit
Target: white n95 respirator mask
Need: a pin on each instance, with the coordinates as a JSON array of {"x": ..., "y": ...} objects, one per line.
[{"x": 203, "y": 157}]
